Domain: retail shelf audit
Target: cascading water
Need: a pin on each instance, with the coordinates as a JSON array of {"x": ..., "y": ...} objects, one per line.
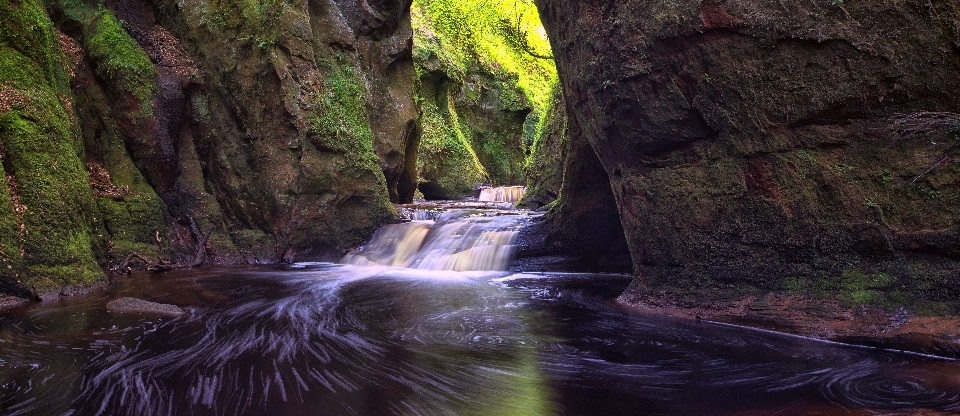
[
  {"x": 458, "y": 241},
  {"x": 322, "y": 338},
  {"x": 502, "y": 194}
]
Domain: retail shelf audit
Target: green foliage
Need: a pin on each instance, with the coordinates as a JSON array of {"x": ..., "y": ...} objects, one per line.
[
  {"x": 495, "y": 50},
  {"x": 489, "y": 34}
]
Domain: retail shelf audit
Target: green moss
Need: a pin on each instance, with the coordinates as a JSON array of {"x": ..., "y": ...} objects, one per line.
[
  {"x": 116, "y": 57},
  {"x": 859, "y": 288},
  {"x": 490, "y": 34},
  {"x": 11, "y": 263},
  {"x": 446, "y": 152},
  {"x": 482, "y": 46},
  {"x": 544, "y": 165},
  {"x": 42, "y": 152},
  {"x": 341, "y": 124},
  {"x": 132, "y": 222},
  {"x": 121, "y": 59}
]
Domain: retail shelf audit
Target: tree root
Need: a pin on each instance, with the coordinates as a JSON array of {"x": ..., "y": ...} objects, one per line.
[{"x": 160, "y": 266}]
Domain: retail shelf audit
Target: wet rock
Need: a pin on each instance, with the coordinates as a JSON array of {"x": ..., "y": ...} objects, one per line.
[
  {"x": 251, "y": 120},
  {"x": 749, "y": 148},
  {"x": 812, "y": 317},
  {"x": 143, "y": 306},
  {"x": 582, "y": 229}
]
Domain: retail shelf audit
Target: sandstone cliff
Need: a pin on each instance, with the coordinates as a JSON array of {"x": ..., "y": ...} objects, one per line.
[{"x": 752, "y": 146}]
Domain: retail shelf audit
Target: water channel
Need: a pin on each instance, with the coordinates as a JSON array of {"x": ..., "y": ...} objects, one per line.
[{"x": 401, "y": 331}]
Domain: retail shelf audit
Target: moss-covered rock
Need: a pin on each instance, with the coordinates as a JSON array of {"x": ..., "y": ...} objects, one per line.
[
  {"x": 483, "y": 95},
  {"x": 48, "y": 201},
  {"x": 384, "y": 44},
  {"x": 250, "y": 119},
  {"x": 287, "y": 101},
  {"x": 544, "y": 165},
  {"x": 750, "y": 150}
]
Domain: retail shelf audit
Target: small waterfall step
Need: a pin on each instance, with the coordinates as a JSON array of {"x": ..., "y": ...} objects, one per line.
[
  {"x": 456, "y": 240},
  {"x": 510, "y": 194}
]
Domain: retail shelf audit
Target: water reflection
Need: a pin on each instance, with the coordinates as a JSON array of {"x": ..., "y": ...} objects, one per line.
[{"x": 331, "y": 339}]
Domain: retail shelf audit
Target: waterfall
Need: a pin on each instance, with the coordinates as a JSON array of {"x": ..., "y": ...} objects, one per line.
[
  {"x": 454, "y": 242},
  {"x": 502, "y": 194}
]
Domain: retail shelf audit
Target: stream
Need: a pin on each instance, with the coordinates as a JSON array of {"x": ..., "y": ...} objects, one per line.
[{"x": 401, "y": 331}]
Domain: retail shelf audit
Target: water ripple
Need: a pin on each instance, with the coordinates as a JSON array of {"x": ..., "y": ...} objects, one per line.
[{"x": 356, "y": 340}]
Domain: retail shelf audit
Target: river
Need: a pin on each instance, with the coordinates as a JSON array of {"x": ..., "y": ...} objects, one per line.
[{"x": 346, "y": 339}]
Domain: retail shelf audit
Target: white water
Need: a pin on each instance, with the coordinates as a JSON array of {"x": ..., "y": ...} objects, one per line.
[
  {"x": 455, "y": 242},
  {"x": 502, "y": 194}
]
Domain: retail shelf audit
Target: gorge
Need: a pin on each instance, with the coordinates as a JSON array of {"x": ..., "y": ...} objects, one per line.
[{"x": 788, "y": 166}]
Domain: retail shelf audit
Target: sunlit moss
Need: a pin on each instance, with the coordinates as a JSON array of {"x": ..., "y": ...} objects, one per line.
[
  {"x": 506, "y": 37},
  {"x": 499, "y": 54}
]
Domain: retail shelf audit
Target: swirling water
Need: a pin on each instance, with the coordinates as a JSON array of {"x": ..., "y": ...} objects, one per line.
[{"x": 338, "y": 339}]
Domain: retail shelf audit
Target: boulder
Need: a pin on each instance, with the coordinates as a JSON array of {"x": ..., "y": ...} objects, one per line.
[{"x": 127, "y": 304}]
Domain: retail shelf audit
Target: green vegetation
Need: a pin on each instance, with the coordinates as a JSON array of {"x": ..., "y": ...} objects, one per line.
[
  {"x": 342, "y": 124},
  {"x": 486, "y": 83},
  {"x": 130, "y": 220},
  {"x": 454, "y": 163},
  {"x": 503, "y": 36},
  {"x": 43, "y": 156},
  {"x": 115, "y": 56}
]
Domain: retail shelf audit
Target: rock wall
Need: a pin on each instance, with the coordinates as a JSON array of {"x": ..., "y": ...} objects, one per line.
[
  {"x": 548, "y": 154},
  {"x": 483, "y": 94},
  {"x": 473, "y": 125},
  {"x": 384, "y": 40},
  {"x": 581, "y": 231},
  {"x": 49, "y": 230},
  {"x": 753, "y": 147},
  {"x": 284, "y": 127}
]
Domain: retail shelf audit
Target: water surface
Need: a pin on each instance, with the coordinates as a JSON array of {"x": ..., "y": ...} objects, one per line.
[{"x": 334, "y": 339}]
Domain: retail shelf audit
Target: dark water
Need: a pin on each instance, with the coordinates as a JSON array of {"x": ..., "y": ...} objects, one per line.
[{"x": 330, "y": 339}]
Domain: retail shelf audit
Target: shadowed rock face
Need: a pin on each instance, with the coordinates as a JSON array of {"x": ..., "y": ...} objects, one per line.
[
  {"x": 287, "y": 128},
  {"x": 582, "y": 229},
  {"x": 293, "y": 114},
  {"x": 748, "y": 144},
  {"x": 384, "y": 43}
]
